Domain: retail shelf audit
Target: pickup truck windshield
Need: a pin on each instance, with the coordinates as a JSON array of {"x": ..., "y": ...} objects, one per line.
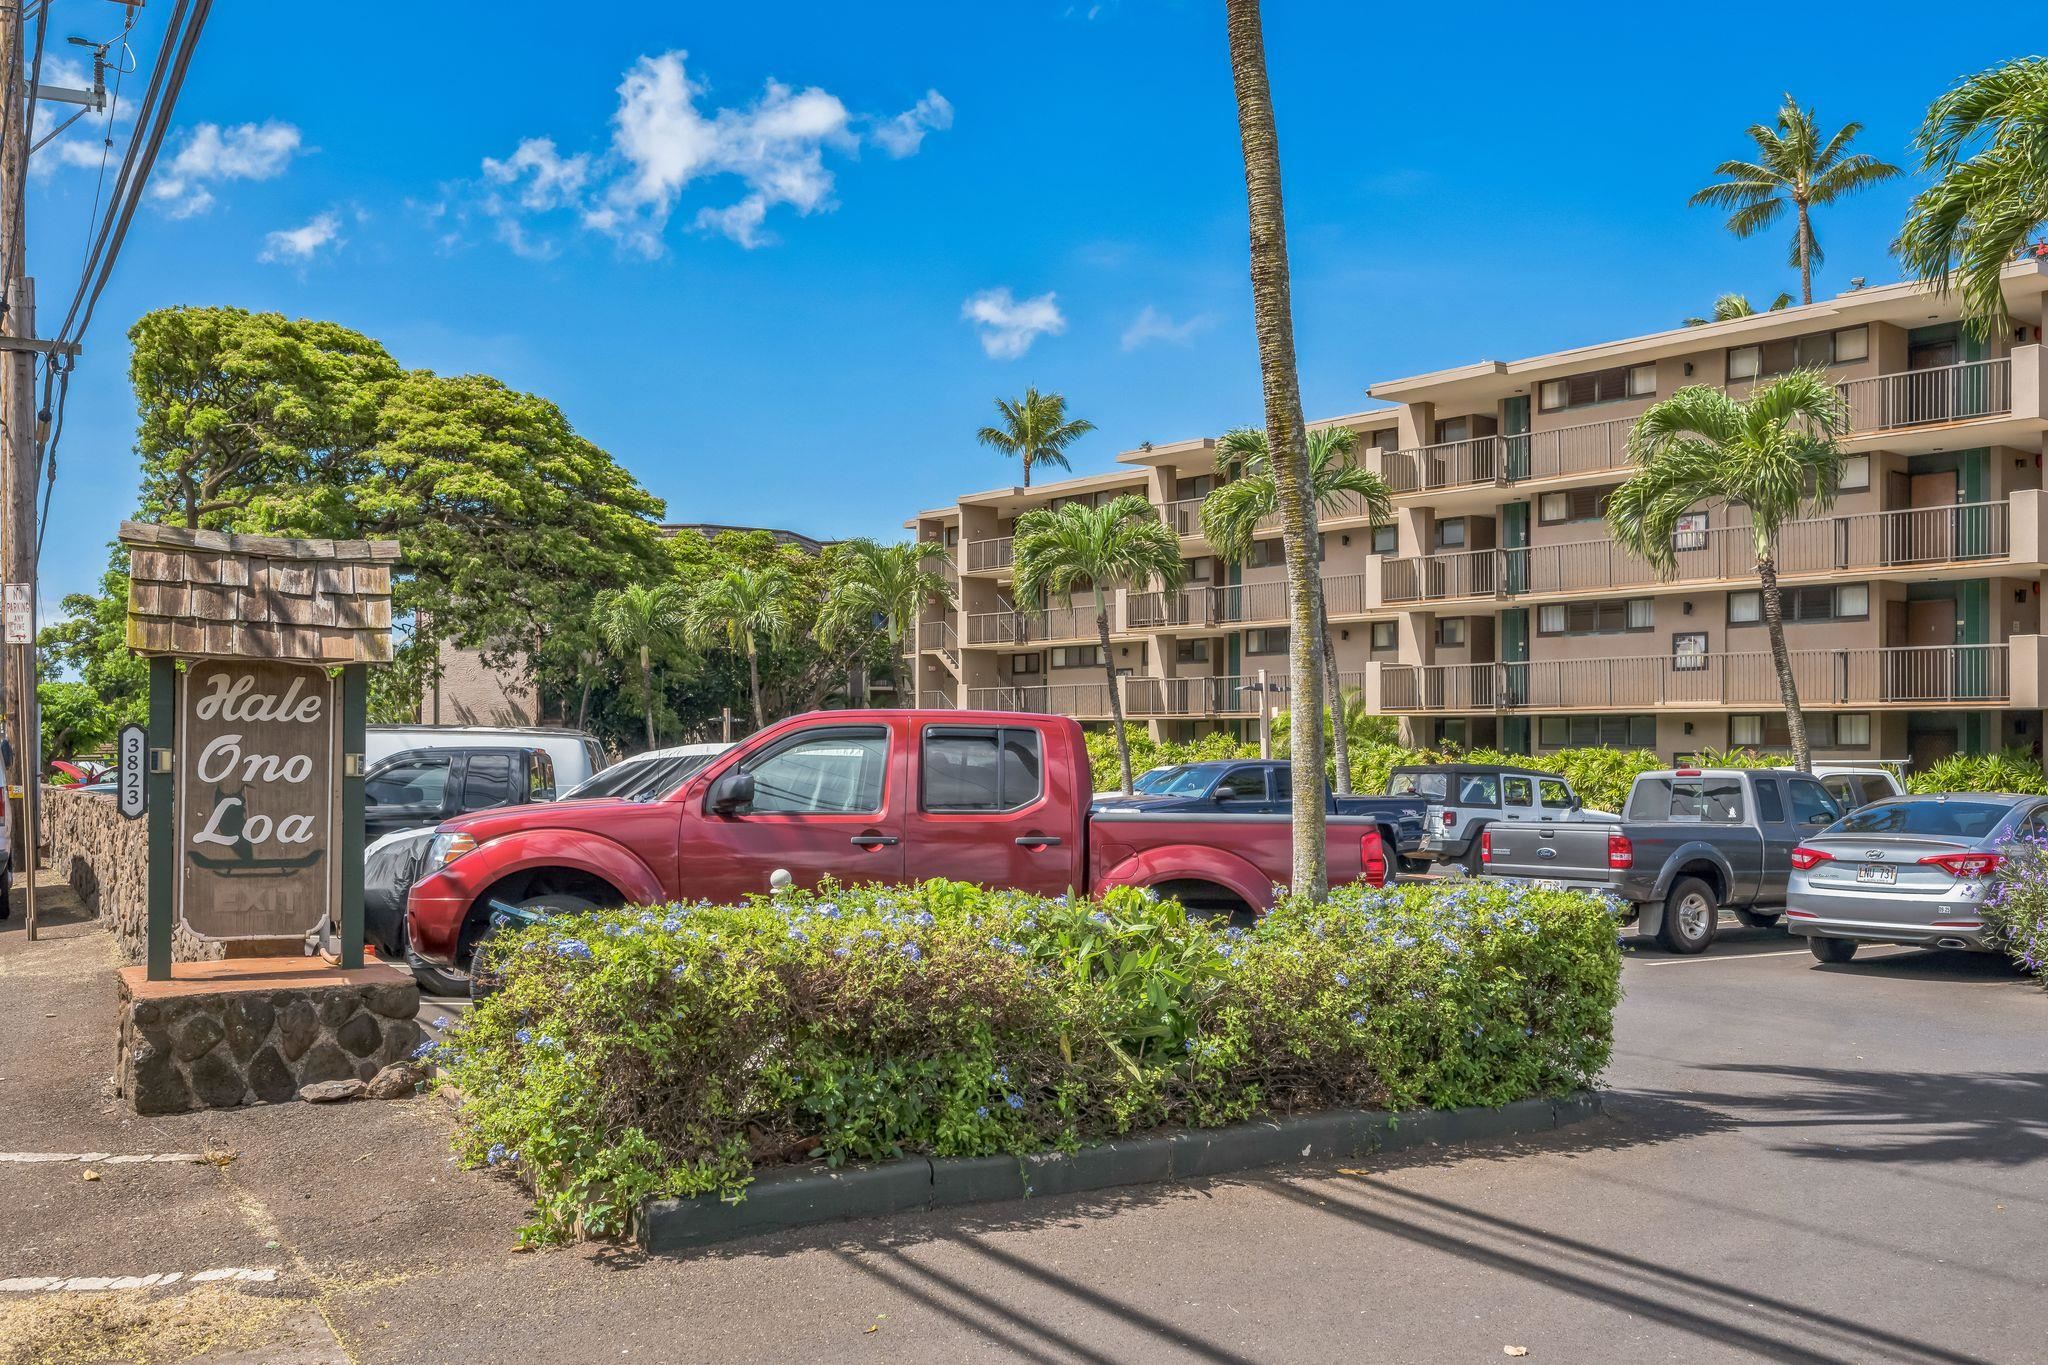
[
  {"x": 1951, "y": 819},
  {"x": 1186, "y": 782},
  {"x": 1154, "y": 782}
]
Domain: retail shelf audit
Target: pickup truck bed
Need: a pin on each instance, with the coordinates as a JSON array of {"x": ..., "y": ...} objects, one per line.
[{"x": 861, "y": 796}]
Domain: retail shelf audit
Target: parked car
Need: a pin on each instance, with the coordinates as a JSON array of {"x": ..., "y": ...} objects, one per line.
[
  {"x": 1265, "y": 786},
  {"x": 861, "y": 796},
  {"x": 390, "y": 866},
  {"x": 576, "y": 756},
  {"x": 1912, "y": 870},
  {"x": 1690, "y": 841},
  {"x": 419, "y": 788},
  {"x": 1146, "y": 783},
  {"x": 1465, "y": 798},
  {"x": 646, "y": 775},
  {"x": 1854, "y": 785}
]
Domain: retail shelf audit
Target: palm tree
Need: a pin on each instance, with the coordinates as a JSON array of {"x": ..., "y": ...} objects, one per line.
[
  {"x": 1988, "y": 202},
  {"x": 742, "y": 609},
  {"x": 1702, "y": 447},
  {"x": 1273, "y": 322},
  {"x": 1232, "y": 512},
  {"x": 1795, "y": 167},
  {"x": 1035, "y": 429},
  {"x": 1063, "y": 550},
  {"x": 638, "y": 619},
  {"x": 873, "y": 582},
  {"x": 1729, "y": 307}
]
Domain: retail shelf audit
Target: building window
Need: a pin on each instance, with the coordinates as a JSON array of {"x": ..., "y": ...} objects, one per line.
[
  {"x": 1576, "y": 504},
  {"x": 1386, "y": 637},
  {"x": 1266, "y": 554},
  {"x": 1817, "y": 350},
  {"x": 1077, "y": 656},
  {"x": 1585, "y": 732},
  {"x": 1386, "y": 540},
  {"x": 1601, "y": 386},
  {"x": 1596, "y": 618},
  {"x": 1689, "y": 651},
  {"x": 1802, "y": 606},
  {"x": 1192, "y": 651},
  {"x": 1450, "y": 534},
  {"x": 1026, "y": 663},
  {"x": 1198, "y": 570},
  {"x": 952, "y": 537},
  {"x": 1824, "y": 730},
  {"x": 1200, "y": 486},
  {"x": 1855, "y": 474},
  {"x": 1271, "y": 640},
  {"x": 1450, "y": 631}
]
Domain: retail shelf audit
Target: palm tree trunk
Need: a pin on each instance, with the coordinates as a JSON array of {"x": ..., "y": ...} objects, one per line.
[
  {"x": 1027, "y": 471},
  {"x": 647, "y": 693},
  {"x": 1781, "y": 659},
  {"x": 754, "y": 684},
  {"x": 1805, "y": 256},
  {"x": 583, "y": 706},
  {"x": 1116, "y": 701},
  {"x": 1286, "y": 440},
  {"x": 1340, "y": 725}
]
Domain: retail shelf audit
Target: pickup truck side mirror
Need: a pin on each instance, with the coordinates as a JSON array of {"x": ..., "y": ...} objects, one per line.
[
  {"x": 1224, "y": 794},
  {"x": 732, "y": 792}
]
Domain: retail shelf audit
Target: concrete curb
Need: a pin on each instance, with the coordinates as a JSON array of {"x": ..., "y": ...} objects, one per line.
[{"x": 803, "y": 1196}]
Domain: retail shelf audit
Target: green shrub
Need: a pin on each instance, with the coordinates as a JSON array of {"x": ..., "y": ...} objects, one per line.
[
  {"x": 672, "y": 1051},
  {"x": 2011, "y": 770},
  {"x": 2016, "y": 911}
]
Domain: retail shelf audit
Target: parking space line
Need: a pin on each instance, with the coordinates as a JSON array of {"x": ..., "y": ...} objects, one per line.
[
  {"x": 88, "y": 1284},
  {"x": 104, "y": 1158},
  {"x": 1725, "y": 957}
]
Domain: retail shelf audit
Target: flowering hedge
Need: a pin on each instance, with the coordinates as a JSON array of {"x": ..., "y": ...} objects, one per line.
[
  {"x": 2017, "y": 908},
  {"x": 674, "y": 1050}
]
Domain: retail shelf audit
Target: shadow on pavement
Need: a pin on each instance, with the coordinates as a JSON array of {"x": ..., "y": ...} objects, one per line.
[
  {"x": 1741, "y": 1317},
  {"x": 1980, "y": 1118}
]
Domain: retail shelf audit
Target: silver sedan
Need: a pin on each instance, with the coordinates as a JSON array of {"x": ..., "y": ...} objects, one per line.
[{"x": 1912, "y": 870}]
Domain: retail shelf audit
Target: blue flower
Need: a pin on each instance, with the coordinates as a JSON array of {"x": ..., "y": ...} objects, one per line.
[
  {"x": 442, "y": 1022},
  {"x": 841, "y": 951},
  {"x": 1014, "y": 1101},
  {"x": 426, "y": 1049},
  {"x": 911, "y": 951},
  {"x": 982, "y": 1112},
  {"x": 496, "y": 1154},
  {"x": 1001, "y": 1076},
  {"x": 924, "y": 919},
  {"x": 1342, "y": 979},
  {"x": 573, "y": 948},
  {"x": 524, "y": 1035},
  {"x": 1358, "y": 1019}
]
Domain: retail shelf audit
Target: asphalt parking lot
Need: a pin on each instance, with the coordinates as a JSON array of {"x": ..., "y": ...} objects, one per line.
[{"x": 1801, "y": 1163}]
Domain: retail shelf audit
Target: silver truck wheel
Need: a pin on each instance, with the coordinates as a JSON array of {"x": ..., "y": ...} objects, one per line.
[{"x": 1691, "y": 915}]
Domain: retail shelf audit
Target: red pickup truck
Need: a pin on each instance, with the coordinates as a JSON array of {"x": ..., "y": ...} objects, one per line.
[{"x": 860, "y": 796}]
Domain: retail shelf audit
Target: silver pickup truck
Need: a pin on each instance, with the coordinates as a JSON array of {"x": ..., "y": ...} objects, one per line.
[{"x": 1690, "y": 841}]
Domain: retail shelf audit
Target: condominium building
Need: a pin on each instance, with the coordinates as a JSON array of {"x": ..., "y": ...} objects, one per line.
[{"x": 1495, "y": 609}]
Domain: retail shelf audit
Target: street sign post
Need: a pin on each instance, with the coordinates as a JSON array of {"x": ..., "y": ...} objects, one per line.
[{"x": 132, "y": 791}]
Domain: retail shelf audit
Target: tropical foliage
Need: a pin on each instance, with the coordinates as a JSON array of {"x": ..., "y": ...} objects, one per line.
[
  {"x": 1034, "y": 430},
  {"x": 873, "y": 583},
  {"x": 1074, "y": 548},
  {"x": 745, "y": 610},
  {"x": 1797, "y": 169},
  {"x": 1729, "y": 307},
  {"x": 677, "y": 1050},
  {"x": 1986, "y": 142},
  {"x": 638, "y": 622},
  {"x": 1701, "y": 448}
]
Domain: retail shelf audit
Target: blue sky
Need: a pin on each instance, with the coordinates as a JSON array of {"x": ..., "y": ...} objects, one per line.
[{"x": 756, "y": 296}]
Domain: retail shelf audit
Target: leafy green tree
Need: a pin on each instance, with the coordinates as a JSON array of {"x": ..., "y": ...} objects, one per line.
[
  {"x": 239, "y": 409},
  {"x": 1702, "y": 448},
  {"x": 1987, "y": 142},
  {"x": 91, "y": 641},
  {"x": 745, "y": 609},
  {"x": 1035, "y": 430},
  {"x": 638, "y": 621},
  {"x": 1797, "y": 168},
  {"x": 1729, "y": 307},
  {"x": 1232, "y": 512},
  {"x": 1061, "y": 551},
  {"x": 890, "y": 583},
  {"x": 75, "y": 719},
  {"x": 1273, "y": 322}
]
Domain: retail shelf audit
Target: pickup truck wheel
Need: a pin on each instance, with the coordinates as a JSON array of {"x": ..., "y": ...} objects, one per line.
[
  {"x": 484, "y": 983},
  {"x": 1691, "y": 914},
  {"x": 1471, "y": 860},
  {"x": 1837, "y": 950},
  {"x": 1760, "y": 919}
]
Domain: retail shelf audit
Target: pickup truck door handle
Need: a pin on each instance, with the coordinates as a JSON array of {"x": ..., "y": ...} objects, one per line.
[
  {"x": 874, "y": 840},
  {"x": 1038, "y": 840}
]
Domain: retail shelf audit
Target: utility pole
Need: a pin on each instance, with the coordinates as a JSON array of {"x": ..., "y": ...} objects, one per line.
[{"x": 18, "y": 472}]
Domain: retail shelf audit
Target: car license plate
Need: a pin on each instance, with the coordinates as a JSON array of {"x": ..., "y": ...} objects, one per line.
[{"x": 1882, "y": 874}]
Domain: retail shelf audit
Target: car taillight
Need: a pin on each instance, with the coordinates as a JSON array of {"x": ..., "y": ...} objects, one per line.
[
  {"x": 1620, "y": 852},
  {"x": 1968, "y": 866},
  {"x": 1450, "y": 818},
  {"x": 1372, "y": 856},
  {"x": 1805, "y": 859},
  {"x": 1485, "y": 845}
]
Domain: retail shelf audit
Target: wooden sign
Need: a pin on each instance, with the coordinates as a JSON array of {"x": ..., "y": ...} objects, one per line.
[{"x": 258, "y": 804}]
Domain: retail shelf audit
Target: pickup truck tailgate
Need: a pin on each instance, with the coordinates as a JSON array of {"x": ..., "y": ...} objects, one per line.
[{"x": 1573, "y": 853}]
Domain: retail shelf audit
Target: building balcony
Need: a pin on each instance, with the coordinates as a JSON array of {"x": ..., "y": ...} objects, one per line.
[
  {"x": 1057, "y": 625},
  {"x": 1968, "y": 536},
  {"x": 1915, "y": 676},
  {"x": 1244, "y": 604},
  {"x": 991, "y": 556}
]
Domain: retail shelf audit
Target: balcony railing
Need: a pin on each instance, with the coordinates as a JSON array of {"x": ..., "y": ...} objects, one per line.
[
  {"x": 1949, "y": 393},
  {"x": 1202, "y": 696},
  {"x": 934, "y": 700},
  {"x": 1205, "y": 608},
  {"x": 1451, "y": 464},
  {"x": 1912, "y": 675},
  {"x": 1035, "y": 627},
  {"x": 1442, "y": 577},
  {"x": 988, "y": 556},
  {"x": 1083, "y": 701}
]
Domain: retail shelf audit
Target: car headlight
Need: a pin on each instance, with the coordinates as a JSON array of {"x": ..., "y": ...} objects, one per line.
[{"x": 445, "y": 849}]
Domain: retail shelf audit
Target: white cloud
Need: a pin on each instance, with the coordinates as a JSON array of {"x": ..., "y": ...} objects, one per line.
[
  {"x": 1152, "y": 325},
  {"x": 903, "y": 135},
  {"x": 665, "y": 141},
  {"x": 247, "y": 151},
  {"x": 1008, "y": 325},
  {"x": 296, "y": 246}
]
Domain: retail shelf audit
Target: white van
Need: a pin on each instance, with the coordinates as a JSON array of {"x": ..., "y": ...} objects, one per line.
[{"x": 576, "y": 756}]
